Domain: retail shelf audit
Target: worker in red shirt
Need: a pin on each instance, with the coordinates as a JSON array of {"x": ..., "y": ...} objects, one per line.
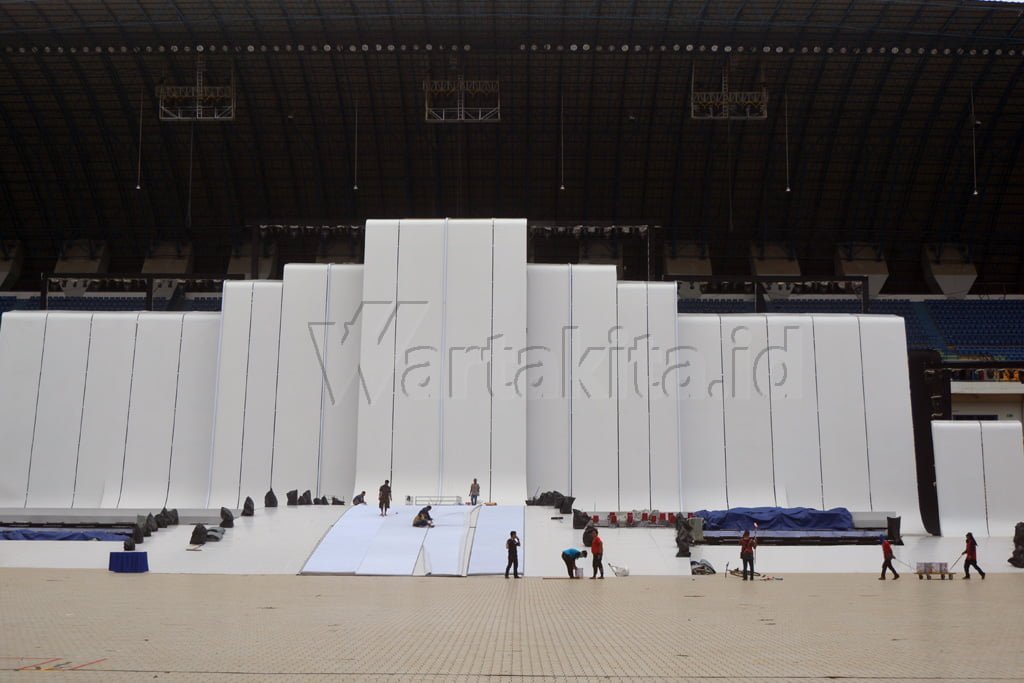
[
  {"x": 971, "y": 551},
  {"x": 887, "y": 557},
  {"x": 597, "y": 549},
  {"x": 747, "y": 545}
]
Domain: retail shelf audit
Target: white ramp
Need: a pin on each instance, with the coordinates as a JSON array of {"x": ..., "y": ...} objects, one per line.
[
  {"x": 21, "y": 355},
  {"x": 341, "y": 391},
  {"x": 377, "y": 347},
  {"x": 748, "y": 427},
  {"x": 393, "y": 551},
  {"x": 697, "y": 372},
  {"x": 253, "y": 477},
  {"x": 960, "y": 478},
  {"x": 105, "y": 411},
  {"x": 634, "y": 438},
  {"x": 844, "y": 462},
  {"x": 493, "y": 524},
  {"x": 59, "y": 410},
  {"x": 193, "y": 413},
  {"x": 147, "y": 452},
  {"x": 890, "y": 426},
  {"x": 1003, "y": 452},
  {"x": 233, "y": 361},
  {"x": 343, "y": 548},
  {"x": 444, "y": 544},
  {"x": 794, "y": 398},
  {"x": 547, "y": 378},
  {"x": 595, "y": 458},
  {"x": 300, "y": 386},
  {"x": 664, "y": 407},
  {"x": 508, "y": 376}
]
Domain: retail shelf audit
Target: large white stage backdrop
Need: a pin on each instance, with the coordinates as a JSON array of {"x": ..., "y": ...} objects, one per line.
[{"x": 446, "y": 358}]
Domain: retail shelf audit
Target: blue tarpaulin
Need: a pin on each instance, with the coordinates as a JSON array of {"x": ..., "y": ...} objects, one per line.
[
  {"x": 794, "y": 519},
  {"x": 23, "y": 534}
]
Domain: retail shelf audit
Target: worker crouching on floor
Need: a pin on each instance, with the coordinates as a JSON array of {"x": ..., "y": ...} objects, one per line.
[{"x": 423, "y": 518}]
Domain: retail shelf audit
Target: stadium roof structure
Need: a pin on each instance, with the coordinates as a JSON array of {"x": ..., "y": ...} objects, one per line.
[{"x": 869, "y": 119}]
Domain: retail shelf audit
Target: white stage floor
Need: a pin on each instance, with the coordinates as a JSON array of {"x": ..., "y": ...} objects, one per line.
[
  {"x": 274, "y": 541},
  {"x": 281, "y": 540}
]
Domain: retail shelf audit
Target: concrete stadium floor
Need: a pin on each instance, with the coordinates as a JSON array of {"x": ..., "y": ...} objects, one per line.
[{"x": 808, "y": 627}]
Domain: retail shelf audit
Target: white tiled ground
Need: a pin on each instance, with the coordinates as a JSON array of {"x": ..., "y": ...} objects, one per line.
[{"x": 808, "y": 627}]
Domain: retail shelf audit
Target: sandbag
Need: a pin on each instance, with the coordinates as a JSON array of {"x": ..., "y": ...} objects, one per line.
[
  {"x": 293, "y": 497},
  {"x": 1017, "y": 558},
  {"x": 335, "y": 501},
  {"x": 227, "y": 518},
  {"x": 580, "y": 519},
  {"x": 138, "y": 535},
  {"x": 248, "y": 508},
  {"x": 151, "y": 522},
  {"x": 172, "y": 516},
  {"x": 198, "y": 535},
  {"x": 214, "y": 534},
  {"x": 161, "y": 520},
  {"x": 306, "y": 498},
  {"x": 129, "y": 544},
  {"x": 270, "y": 500}
]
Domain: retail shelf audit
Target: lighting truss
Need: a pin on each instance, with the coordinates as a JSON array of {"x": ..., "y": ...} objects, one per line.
[
  {"x": 749, "y": 105},
  {"x": 198, "y": 102},
  {"x": 462, "y": 101}
]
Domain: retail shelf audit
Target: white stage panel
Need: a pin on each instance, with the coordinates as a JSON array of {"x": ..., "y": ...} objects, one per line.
[
  {"x": 748, "y": 427},
  {"x": 105, "y": 410},
  {"x": 377, "y": 355},
  {"x": 891, "y": 456},
  {"x": 493, "y": 524},
  {"x": 696, "y": 370},
  {"x": 147, "y": 456},
  {"x": 547, "y": 378},
  {"x": 343, "y": 547},
  {"x": 341, "y": 394},
  {"x": 844, "y": 461},
  {"x": 418, "y": 360},
  {"x": 396, "y": 546},
  {"x": 664, "y": 410},
  {"x": 444, "y": 544},
  {"x": 508, "y": 419},
  {"x": 21, "y": 355},
  {"x": 59, "y": 410},
  {"x": 1003, "y": 453},
  {"x": 594, "y": 429},
  {"x": 794, "y": 399},
  {"x": 959, "y": 477},
  {"x": 193, "y": 414},
  {"x": 300, "y": 379},
  {"x": 233, "y": 359},
  {"x": 260, "y": 394},
  {"x": 634, "y": 436},
  {"x": 466, "y": 438}
]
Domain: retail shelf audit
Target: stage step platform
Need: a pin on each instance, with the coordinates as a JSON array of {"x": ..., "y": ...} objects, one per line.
[
  {"x": 98, "y": 517},
  {"x": 789, "y": 537}
]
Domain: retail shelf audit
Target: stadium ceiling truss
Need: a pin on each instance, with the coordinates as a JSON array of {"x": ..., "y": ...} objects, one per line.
[{"x": 875, "y": 133}]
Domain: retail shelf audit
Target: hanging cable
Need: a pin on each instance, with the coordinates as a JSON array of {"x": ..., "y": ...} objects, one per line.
[
  {"x": 138, "y": 173},
  {"x": 191, "y": 146},
  {"x": 561, "y": 143},
  {"x": 974, "y": 143},
  {"x": 785, "y": 99},
  {"x": 355, "y": 153}
]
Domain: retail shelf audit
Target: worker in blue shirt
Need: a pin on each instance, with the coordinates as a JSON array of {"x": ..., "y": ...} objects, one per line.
[{"x": 569, "y": 556}]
